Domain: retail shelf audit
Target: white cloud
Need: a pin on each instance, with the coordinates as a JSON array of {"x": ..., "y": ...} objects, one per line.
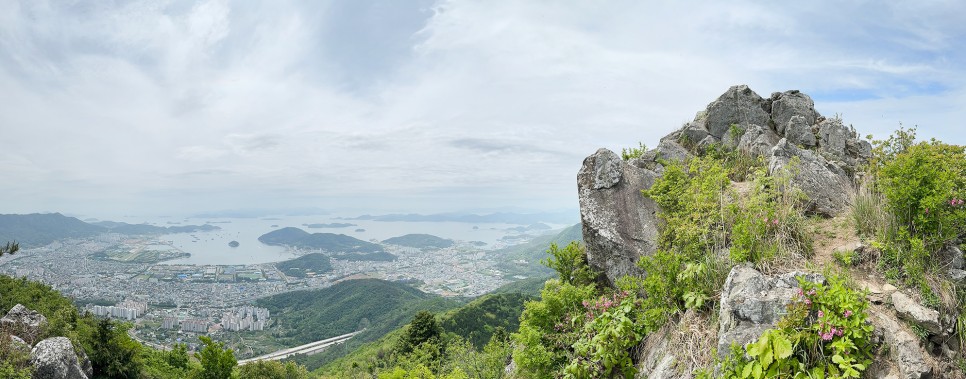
[{"x": 152, "y": 106}]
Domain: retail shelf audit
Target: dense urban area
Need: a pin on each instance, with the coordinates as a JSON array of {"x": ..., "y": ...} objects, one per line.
[{"x": 126, "y": 278}]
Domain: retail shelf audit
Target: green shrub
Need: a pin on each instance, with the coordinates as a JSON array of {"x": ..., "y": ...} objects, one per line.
[
  {"x": 633, "y": 152},
  {"x": 570, "y": 263},
  {"x": 824, "y": 334},
  {"x": 550, "y": 327}
]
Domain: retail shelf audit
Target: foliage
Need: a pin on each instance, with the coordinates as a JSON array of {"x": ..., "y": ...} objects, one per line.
[
  {"x": 570, "y": 263},
  {"x": 423, "y": 329},
  {"x": 612, "y": 326},
  {"x": 550, "y": 327},
  {"x": 738, "y": 164},
  {"x": 14, "y": 358},
  {"x": 633, "y": 152},
  {"x": 489, "y": 314},
  {"x": 217, "y": 362},
  {"x": 824, "y": 334},
  {"x": 869, "y": 212},
  {"x": 9, "y": 248},
  {"x": 767, "y": 222},
  {"x": 272, "y": 370},
  {"x": 114, "y": 354},
  {"x": 297, "y": 268}
]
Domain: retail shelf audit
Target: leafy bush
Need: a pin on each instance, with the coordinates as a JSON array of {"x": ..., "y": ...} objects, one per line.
[
  {"x": 768, "y": 222},
  {"x": 612, "y": 326},
  {"x": 633, "y": 152},
  {"x": 570, "y": 263},
  {"x": 550, "y": 327},
  {"x": 824, "y": 334}
]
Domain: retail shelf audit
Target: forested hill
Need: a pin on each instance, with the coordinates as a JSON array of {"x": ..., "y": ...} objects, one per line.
[
  {"x": 420, "y": 241},
  {"x": 38, "y": 229},
  {"x": 331, "y": 242}
]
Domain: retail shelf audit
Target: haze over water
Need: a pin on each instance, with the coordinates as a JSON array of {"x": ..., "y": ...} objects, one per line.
[{"x": 212, "y": 247}]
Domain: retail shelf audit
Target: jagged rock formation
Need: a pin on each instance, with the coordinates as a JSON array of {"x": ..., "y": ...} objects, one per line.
[
  {"x": 823, "y": 159},
  {"x": 752, "y": 303},
  {"x": 52, "y": 358},
  {"x": 23, "y": 323},
  {"x": 619, "y": 224}
]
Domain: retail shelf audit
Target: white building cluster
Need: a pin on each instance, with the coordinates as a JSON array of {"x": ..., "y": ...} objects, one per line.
[
  {"x": 197, "y": 326},
  {"x": 245, "y": 318},
  {"x": 128, "y": 310}
]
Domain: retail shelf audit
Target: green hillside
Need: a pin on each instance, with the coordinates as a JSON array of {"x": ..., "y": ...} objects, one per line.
[
  {"x": 326, "y": 241},
  {"x": 379, "y": 306},
  {"x": 315, "y": 262},
  {"x": 420, "y": 241},
  {"x": 533, "y": 251}
]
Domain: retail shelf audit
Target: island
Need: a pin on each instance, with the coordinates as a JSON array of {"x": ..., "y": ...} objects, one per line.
[
  {"x": 335, "y": 243},
  {"x": 420, "y": 241},
  {"x": 332, "y": 225},
  {"x": 360, "y": 230},
  {"x": 233, "y": 244}
]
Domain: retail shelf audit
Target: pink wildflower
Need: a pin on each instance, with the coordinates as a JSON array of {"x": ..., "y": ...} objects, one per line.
[
  {"x": 808, "y": 302},
  {"x": 800, "y": 293},
  {"x": 811, "y": 292},
  {"x": 847, "y": 313},
  {"x": 827, "y": 336},
  {"x": 838, "y": 332},
  {"x": 775, "y": 222},
  {"x": 821, "y": 314}
]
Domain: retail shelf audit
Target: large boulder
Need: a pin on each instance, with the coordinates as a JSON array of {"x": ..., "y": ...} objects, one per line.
[
  {"x": 54, "y": 358},
  {"x": 799, "y": 132},
  {"x": 739, "y": 105},
  {"x": 910, "y": 310},
  {"x": 833, "y": 137},
  {"x": 619, "y": 224},
  {"x": 23, "y": 323},
  {"x": 788, "y": 104},
  {"x": 827, "y": 186},
  {"x": 752, "y": 303},
  {"x": 757, "y": 140}
]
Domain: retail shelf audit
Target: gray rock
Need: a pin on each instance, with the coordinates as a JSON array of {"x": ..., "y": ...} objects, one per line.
[
  {"x": 912, "y": 311},
  {"x": 54, "y": 358},
  {"x": 23, "y": 322},
  {"x": 694, "y": 132},
  {"x": 952, "y": 257},
  {"x": 656, "y": 360},
  {"x": 789, "y": 104},
  {"x": 832, "y": 138},
  {"x": 827, "y": 186},
  {"x": 739, "y": 105},
  {"x": 671, "y": 151},
  {"x": 619, "y": 224},
  {"x": 757, "y": 140},
  {"x": 957, "y": 275},
  {"x": 904, "y": 348},
  {"x": 799, "y": 132},
  {"x": 707, "y": 142},
  {"x": 752, "y": 303}
]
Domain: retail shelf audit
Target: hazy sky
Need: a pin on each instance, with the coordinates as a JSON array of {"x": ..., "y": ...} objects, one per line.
[{"x": 172, "y": 107}]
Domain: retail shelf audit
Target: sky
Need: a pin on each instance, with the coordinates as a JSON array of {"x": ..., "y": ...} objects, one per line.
[{"x": 177, "y": 107}]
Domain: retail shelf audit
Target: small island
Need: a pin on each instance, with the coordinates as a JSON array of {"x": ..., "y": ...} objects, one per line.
[
  {"x": 360, "y": 230},
  {"x": 420, "y": 241},
  {"x": 332, "y": 225},
  {"x": 233, "y": 244}
]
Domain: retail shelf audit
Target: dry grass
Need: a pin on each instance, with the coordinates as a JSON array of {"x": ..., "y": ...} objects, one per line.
[{"x": 694, "y": 340}]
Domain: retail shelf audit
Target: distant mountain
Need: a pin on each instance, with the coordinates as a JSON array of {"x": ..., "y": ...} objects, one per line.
[
  {"x": 315, "y": 262},
  {"x": 326, "y": 241},
  {"x": 503, "y": 217},
  {"x": 141, "y": 229},
  {"x": 420, "y": 241},
  {"x": 37, "y": 229},
  {"x": 332, "y": 225}
]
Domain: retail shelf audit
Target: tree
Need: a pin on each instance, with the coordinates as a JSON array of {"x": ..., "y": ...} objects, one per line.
[
  {"x": 424, "y": 328},
  {"x": 570, "y": 263},
  {"x": 9, "y": 248},
  {"x": 272, "y": 370},
  {"x": 178, "y": 356},
  {"x": 216, "y": 361},
  {"x": 115, "y": 354}
]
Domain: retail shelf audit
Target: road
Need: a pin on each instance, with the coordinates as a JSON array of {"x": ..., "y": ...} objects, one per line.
[{"x": 308, "y": 348}]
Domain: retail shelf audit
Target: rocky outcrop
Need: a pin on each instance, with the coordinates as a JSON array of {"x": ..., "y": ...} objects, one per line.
[
  {"x": 23, "y": 323},
  {"x": 752, "y": 303},
  {"x": 619, "y": 225},
  {"x": 54, "y": 358},
  {"x": 657, "y": 361},
  {"x": 912, "y": 311},
  {"x": 738, "y": 106},
  {"x": 904, "y": 350},
  {"x": 826, "y": 185}
]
